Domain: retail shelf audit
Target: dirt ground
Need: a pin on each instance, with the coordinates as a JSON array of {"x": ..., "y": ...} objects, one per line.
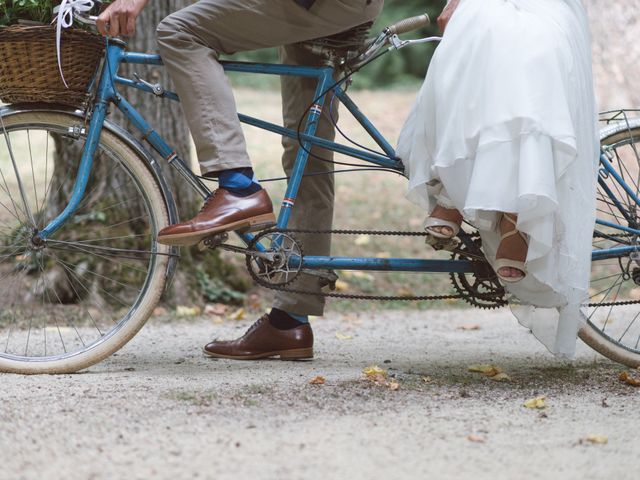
[{"x": 159, "y": 409}]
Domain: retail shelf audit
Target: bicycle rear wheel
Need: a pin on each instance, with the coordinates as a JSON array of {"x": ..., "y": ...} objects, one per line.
[
  {"x": 613, "y": 314},
  {"x": 73, "y": 299}
]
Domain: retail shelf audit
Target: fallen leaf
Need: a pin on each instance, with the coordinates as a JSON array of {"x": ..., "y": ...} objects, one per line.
[
  {"x": 595, "y": 439},
  {"x": 378, "y": 379},
  {"x": 373, "y": 370},
  {"x": 501, "y": 377},
  {"x": 629, "y": 379},
  {"x": 215, "y": 309},
  {"x": 362, "y": 240},
  {"x": 405, "y": 292},
  {"x": 394, "y": 385},
  {"x": 476, "y": 438},
  {"x": 536, "y": 403},
  {"x": 486, "y": 369},
  {"x": 469, "y": 326},
  {"x": 341, "y": 286},
  {"x": 362, "y": 275},
  {"x": 317, "y": 380},
  {"x": 351, "y": 318},
  {"x": 427, "y": 379},
  {"x": 239, "y": 314},
  {"x": 183, "y": 311},
  {"x": 343, "y": 336},
  {"x": 255, "y": 302},
  {"x": 159, "y": 311}
]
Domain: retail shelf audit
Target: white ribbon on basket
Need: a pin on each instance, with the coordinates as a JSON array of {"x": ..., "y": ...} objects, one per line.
[{"x": 64, "y": 19}]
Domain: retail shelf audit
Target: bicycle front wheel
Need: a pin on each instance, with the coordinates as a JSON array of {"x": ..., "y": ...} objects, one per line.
[
  {"x": 71, "y": 300},
  {"x": 613, "y": 314}
]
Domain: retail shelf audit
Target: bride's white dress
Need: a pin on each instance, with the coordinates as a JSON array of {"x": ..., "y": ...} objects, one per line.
[{"x": 506, "y": 122}]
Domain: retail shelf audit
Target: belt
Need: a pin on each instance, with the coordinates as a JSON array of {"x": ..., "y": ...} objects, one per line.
[{"x": 305, "y": 3}]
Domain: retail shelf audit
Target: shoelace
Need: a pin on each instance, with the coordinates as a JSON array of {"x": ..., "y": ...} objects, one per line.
[
  {"x": 255, "y": 325},
  {"x": 208, "y": 200}
]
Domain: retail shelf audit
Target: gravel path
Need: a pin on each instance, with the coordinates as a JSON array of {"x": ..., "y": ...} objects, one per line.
[{"x": 159, "y": 409}]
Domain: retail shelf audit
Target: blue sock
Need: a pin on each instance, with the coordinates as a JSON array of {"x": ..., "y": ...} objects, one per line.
[
  {"x": 284, "y": 320},
  {"x": 239, "y": 181},
  {"x": 299, "y": 318}
]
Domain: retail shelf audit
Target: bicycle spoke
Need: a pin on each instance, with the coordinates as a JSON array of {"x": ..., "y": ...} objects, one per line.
[
  {"x": 33, "y": 173},
  {"x": 106, "y": 250},
  {"x": 122, "y": 302},
  {"x": 74, "y": 275},
  {"x": 629, "y": 327},
  {"x": 23, "y": 194}
]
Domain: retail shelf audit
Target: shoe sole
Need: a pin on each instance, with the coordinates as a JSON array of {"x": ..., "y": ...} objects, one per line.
[
  {"x": 294, "y": 354},
  {"x": 259, "y": 222}
]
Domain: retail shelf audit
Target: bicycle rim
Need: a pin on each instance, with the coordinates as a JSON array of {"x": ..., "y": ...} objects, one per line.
[
  {"x": 613, "y": 319},
  {"x": 78, "y": 296}
]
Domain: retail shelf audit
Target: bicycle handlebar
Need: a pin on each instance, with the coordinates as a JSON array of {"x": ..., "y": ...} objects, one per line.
[{"x": 409, "y": 24}]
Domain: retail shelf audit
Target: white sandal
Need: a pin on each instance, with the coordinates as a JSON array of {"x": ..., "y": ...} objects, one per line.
[
  {"x": 507, "y": 262},
  {"x": 434, "y": 222}
]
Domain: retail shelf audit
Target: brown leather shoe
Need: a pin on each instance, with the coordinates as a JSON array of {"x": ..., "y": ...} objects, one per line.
[
  {"x": 222, "y": 212},
  {"x": 262, "y": 340}
]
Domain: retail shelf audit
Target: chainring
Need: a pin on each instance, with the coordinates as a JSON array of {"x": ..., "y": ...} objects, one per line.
[
  {"x": 481, "y": 288},
  {"x": 271, "y": 268}
]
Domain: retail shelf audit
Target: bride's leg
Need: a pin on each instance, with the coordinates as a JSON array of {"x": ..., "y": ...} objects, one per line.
[{"x": 513, "y": 248}]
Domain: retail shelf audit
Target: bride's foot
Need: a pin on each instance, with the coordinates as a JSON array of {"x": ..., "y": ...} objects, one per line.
[
  {"x": 443, "y": 222},
  {"x": 512, "y": 251}
]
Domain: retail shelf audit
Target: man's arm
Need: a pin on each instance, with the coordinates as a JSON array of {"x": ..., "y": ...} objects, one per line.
[
  {"x": 119, "y": 18},
  {"x": 446, "y": 14}
]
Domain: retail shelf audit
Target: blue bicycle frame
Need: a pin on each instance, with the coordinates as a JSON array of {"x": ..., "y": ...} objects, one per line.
[{"x": 107, "y": 93}]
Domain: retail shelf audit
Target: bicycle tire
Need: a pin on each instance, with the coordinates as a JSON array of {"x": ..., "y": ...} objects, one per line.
[
  {"x": 613, "y": 332},
  {"x": 115, "y": 325}
]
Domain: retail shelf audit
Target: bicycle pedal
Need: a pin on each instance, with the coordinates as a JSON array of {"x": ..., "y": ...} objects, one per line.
[
  {"x": 213, "y": 241},
  {"x": 448, "y": 244}
]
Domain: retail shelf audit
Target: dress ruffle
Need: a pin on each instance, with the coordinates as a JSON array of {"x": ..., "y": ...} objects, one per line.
[{"x": 506, "y": 122}]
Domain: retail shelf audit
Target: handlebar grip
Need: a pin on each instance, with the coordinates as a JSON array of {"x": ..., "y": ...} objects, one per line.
[{"x": 409, "y": 24}]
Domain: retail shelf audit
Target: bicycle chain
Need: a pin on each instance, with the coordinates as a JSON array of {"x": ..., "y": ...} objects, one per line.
[
  {"x": 350, "y": 296},
  {"x": 458, "y": 296}
]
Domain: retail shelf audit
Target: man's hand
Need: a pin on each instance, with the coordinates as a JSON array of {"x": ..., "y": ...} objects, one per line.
[
  {"x": 119, "y": 18},
  {"x": 446, "y": 14}
]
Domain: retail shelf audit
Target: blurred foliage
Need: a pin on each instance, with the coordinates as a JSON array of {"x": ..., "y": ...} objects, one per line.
[
  {"x": 401, "y": 68},
  {"x": 35, "y": 10},
  {"x": 11, "y": 11}
]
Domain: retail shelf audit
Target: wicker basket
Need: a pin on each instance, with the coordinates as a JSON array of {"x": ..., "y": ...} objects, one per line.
[{"x": 29, "y": 64}]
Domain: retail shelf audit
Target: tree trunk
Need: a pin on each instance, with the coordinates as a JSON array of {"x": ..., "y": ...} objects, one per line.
[{"x": 165, "y": 116}]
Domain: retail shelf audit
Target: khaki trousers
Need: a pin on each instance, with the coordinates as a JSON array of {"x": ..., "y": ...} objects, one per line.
[{"x": 190, "y": 42}]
